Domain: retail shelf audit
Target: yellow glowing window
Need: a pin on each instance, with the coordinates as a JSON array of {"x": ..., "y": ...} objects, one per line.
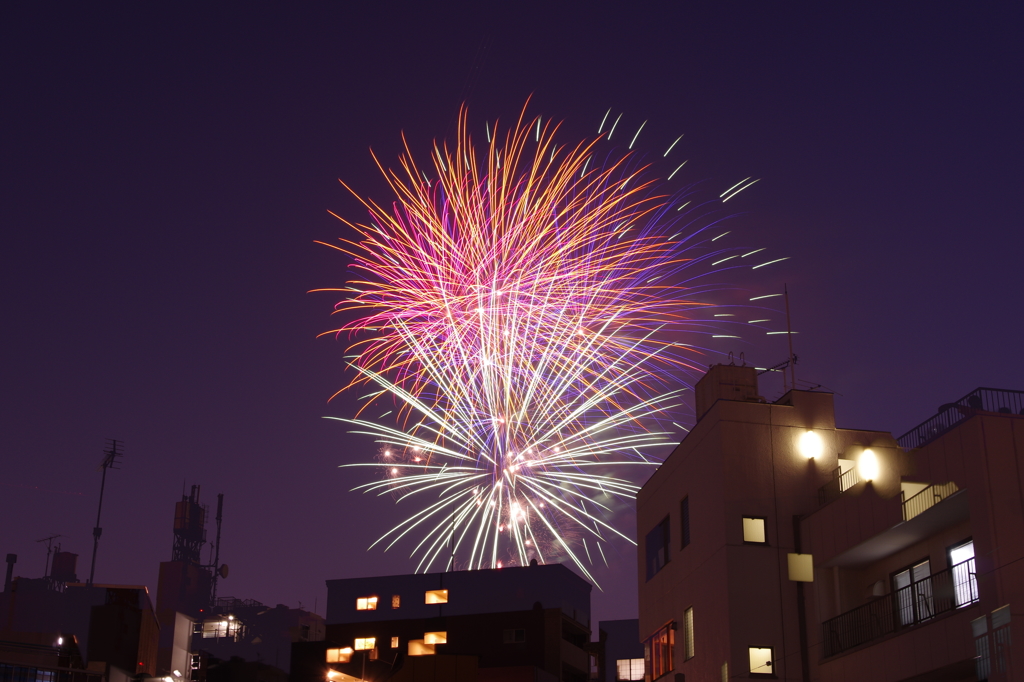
[
  {"x": 366, "y": 604},
  {"x": 417, "y": 647},
  {"x": 437, "y": 597},
  {"x": 435, "y": 637},
  {"x": 339, "y": 655},
  {"x": 754, "y": 530},
  {"x": 761, "y": 660},
  {"x": 394, "y": 642},
  {"x": 365, "y": 643},
  {"x": 396, "y": 601}
]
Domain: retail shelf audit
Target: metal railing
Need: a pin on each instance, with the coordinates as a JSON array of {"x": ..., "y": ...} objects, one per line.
[
  {"x": 840, "y": 482},
  {"x": 927, "y": 498},
  {"x": 939, "y": 593},
  {"x": 979, "y": 400}
]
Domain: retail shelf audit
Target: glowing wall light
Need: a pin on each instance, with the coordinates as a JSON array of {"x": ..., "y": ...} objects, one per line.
[
  {"x": 811, "y": 445},
  {"x": 867, "y": 466}
]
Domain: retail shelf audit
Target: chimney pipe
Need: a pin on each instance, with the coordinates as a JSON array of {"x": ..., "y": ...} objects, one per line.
[{"x": 11, "y": 560}]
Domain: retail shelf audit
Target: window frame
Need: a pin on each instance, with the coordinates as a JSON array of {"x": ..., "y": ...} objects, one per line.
[
  {"x": 631, "y": 663},
  {"x": 668, "y": 651},
  {"x": 772, "y": 674},
  {"x": 663, "y": 529},
  {"x": 764, "y": 528},
  {"x": 689, "y": 644}
]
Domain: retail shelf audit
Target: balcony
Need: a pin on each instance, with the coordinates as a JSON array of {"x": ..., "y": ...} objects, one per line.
[
  {"x": 840, "y": 483},
  {"x": 1000, "y": 400},
  {"x": 917, "y": 603},
  {"x": 926, "y": 499}
]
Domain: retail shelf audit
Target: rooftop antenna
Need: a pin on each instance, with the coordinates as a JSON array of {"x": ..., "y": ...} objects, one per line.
[
  {"x": 217, "y": 569},
  {"x": 49, "y": 548},
  {"x": 114, "y": 450}
]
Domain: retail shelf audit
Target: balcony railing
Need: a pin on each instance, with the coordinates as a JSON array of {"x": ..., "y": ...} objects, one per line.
[
  {"x": 927, "y": 498},
  {"x": 951, "y": 414},
  {"x": 840, "y": 482},
  {"x": 919, "y": 602}
]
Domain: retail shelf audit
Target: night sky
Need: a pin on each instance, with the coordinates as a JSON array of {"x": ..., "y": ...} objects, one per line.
[{"x": 167, "y": 168}]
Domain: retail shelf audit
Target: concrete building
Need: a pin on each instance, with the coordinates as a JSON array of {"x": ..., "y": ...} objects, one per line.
[
  {"x": 510, "y": 624},
  {"x": 774, "y": 544},
  {"x": 108, "y": 631}
]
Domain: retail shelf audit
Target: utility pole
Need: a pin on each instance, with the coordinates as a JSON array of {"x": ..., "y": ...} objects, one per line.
[
  {"x": 110, "y": 456},
  {"x": 49, "y": 548}
]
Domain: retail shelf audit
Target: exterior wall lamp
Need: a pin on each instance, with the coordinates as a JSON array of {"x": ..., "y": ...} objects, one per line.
[
  {"x": 867, "y": 465},
  {"x": 810, "y": 445}
]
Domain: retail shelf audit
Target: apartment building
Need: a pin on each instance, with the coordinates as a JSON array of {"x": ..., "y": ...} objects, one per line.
[
  {"x": 509, "y": 624},
  {"x": 773, "y": 544}
]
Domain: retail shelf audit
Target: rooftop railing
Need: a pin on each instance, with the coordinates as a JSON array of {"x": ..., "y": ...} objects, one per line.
[
  {"x": 979, "y": 400},
  {"x": 919, "y": 602}
]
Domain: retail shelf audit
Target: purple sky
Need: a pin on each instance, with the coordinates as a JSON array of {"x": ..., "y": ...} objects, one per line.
[{"x": 166, "y": 171}]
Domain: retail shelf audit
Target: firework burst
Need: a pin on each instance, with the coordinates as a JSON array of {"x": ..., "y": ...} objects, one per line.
[{"x": 523, "y": 307}]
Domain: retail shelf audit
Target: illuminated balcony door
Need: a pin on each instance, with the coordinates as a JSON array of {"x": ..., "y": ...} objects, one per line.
[
  {"x": 913, "y": 588},
  {"x": 965, "y": 582}
]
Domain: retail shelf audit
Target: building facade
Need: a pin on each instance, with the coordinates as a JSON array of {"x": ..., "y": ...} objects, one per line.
[
  {"x": 774, "y": 544},
  {"x": 517, "y": 623}
]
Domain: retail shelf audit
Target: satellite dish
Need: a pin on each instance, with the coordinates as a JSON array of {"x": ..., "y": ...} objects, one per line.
[{"x": 223, "y": 571}]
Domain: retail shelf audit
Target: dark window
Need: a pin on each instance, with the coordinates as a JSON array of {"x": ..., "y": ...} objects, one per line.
[
  {"x": 514, "y": 636},
  {"x": 656, "y": 547},
  {"x": 658, "y": 652},
  {"x": 684, "y": 521}
]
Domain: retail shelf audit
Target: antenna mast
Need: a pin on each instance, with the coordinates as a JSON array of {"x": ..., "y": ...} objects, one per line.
[
  {"x": 216, "y": 556},
  {"x": 115, "y": 449},
  {"x": 49, "y": 548}
]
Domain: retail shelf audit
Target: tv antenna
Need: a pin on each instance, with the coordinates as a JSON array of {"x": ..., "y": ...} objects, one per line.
[
  {"x": 49, "y": 548},
  {"x": 114, "y": 450}
]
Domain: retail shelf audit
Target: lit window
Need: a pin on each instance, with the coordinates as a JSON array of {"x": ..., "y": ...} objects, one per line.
[
  {"x": 396, "y": 601},
  {"x": 754, "y": 530},
  {"x": 435, "y": 637},
  {"x": 417, "y": 647},
  {"x": 364, "y": 643},
  {"x": 725, "y": 672},
  {"x": 688, "y": 634},
  {"x": 366, "y": 604},
  {"x": 394, "y": 642},
  {"x": 658, "y": 651},
  {"x": 216, "y": 629},
  {"x": 514, "y": 636},
  {"x": 629, "y": 669},
  {"x": 437, "y": 597},
  {"x": 656, "y": 548},
  {"x": 761, "y": 660},
  {"x": 339, "y": 655}
]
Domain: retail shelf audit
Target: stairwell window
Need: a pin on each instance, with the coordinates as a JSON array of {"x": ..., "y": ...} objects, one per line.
[{"x": 656, "y": 547}]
